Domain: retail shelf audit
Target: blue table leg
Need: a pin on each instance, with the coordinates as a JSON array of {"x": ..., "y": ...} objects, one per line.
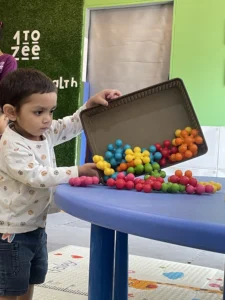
[
  {"x": 121, "y": 267},
  {"x": 101, "y": 263}
]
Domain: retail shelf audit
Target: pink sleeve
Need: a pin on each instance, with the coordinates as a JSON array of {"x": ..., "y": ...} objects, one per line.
[{"x": 9, "y": 66}]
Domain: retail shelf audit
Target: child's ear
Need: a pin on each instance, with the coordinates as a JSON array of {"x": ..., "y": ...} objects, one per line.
[{"x": 10, "y": 112}]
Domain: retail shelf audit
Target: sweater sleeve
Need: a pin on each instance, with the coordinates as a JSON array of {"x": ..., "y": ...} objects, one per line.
[
  {"x": 9, "y": 66},
  {"x": 21, "y": 165},
  {"x": 65, "y": 129}
]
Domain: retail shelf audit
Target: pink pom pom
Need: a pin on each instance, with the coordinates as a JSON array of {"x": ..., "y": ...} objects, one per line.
[
  {"x": 130, "y": 177},
  {"x": 95, "y": 180},
  {"x": 71, "y": 181},
  {"x": 209, "y": 189},
  {"x": 129, "y": 185},
  {"x": 76, "y": 181},
  {"x": 111, "y": 182},
  {"x": 88, "y": 181},
  {"x": 120, "y": 184},
  {"x": 83, "y": 178},
  {"x": 190, "y": 189},
  {"x": 120, "y": 175},
  {"x": 200, "y": 189}
]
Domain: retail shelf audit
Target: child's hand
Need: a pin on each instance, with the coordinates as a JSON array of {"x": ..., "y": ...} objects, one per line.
[
  {"x": 88, "y": 170},
  {"x": 102, "y": 97}
]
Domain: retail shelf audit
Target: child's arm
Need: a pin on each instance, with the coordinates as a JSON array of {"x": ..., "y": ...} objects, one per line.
[
  {"x": 65, "y": 129},
  {"x": 70, "y": 127},
  {"x": 20, "y": 164}
]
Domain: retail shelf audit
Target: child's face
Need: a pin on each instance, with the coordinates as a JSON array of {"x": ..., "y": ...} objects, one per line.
[
  {"x": 3, "y": 123},
  {"x": 35, "y": 116}
]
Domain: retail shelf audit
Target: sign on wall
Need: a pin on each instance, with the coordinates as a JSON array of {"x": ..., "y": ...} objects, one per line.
[
  {"x": 28, "y": 48},
  {"x": 27, "y": 45},
  {"x": 62, "y": 83}
]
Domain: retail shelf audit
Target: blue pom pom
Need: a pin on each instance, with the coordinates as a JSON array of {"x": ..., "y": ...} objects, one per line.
[
  {"x": 118, "y": 156},
  {"x": 126, "y": 147},
  {"x": 114, "y": 175},
  {"x": 118, "y": 143},
  {"x": 119, "y": 150},
  {"x": 110, "y": 147},
  {"x": 113, "y": 162},
  {"x": 106, "y": 178},
  {"x": 152, "y": 149},
  {"x": 108, "y": 155},
  {"x": 157, "y": 156}
]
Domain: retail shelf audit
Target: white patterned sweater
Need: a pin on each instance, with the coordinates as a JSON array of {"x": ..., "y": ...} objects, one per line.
[{"x": 28, "y": 174}]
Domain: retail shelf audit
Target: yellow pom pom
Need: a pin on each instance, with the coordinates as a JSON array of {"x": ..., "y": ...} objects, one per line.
[
  {"x": 101, "y": 158},
  {"x": 137, "y": 161},
  {"x": 108, "y": 165},
  {"x": 212, "y": 182},
  {"x": 105, "y": 164},
  {"x": 112, "y": 172},
  {"x": 137, "y": 149},
  {"x": 177, "y": 133},
  {"x": 214, "y": 189},
  {"x": 174, "y": 142},
  {"x": 107, "y": 171},
  {"x": 188, "y": 129},
  {"x": 146, "y": 159},
  {"x": 96, "y": 159},
  {"x": 146, "y": 153},
  {"x": 129, "y": 158},
  {"x": 137, "y": 154},
  {"x": 129, "y": 151},
  {"x": 100, "y": 165},
  {"x": 218, "y": 186}
]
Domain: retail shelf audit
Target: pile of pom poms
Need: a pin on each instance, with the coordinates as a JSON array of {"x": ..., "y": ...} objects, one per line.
[
  {"x": 175, "y": 184},
  {"x": 84, "y": 181}
]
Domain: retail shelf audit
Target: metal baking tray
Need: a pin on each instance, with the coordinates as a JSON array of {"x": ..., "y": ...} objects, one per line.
[{"x": 142, "y": 118}]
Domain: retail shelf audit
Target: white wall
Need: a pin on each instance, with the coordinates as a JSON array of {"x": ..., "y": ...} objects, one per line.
[{"x": 213, "y": 162}]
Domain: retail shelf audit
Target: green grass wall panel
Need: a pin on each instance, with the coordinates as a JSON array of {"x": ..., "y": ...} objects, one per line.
[{"x": 60, "y": 26}]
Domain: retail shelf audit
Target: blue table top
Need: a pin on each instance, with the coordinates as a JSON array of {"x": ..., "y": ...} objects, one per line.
[{"x": 196, "y": 221}]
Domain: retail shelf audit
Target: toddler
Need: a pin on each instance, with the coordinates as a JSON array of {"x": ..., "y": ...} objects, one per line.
[{"x": 28, "y": 173}]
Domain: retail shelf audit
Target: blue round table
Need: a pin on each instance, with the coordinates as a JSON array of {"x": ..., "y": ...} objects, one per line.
[{"x": 188, "y": 220}]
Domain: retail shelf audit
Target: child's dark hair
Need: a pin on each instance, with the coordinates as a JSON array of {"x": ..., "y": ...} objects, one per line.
[{"x": 22, "y": 83}]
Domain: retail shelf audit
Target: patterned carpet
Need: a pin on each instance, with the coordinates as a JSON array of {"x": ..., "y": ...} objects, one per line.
[{"x": 149, "y": 279}]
